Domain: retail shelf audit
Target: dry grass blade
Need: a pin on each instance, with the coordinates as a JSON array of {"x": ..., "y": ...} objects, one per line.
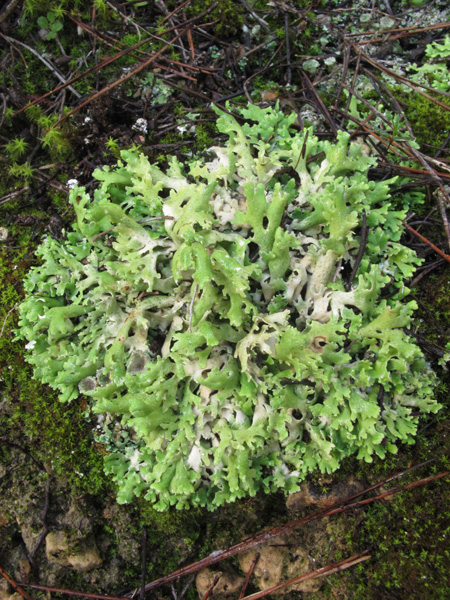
[{"x": 322, "y": 572}]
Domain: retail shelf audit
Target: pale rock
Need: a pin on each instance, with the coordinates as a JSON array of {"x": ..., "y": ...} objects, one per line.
[
  {"x": 281, "y": 559},
  {"x": 6, "y": 592},
  {"x": 229, "y": 583},
  {"x": 310, "y": 495},
  {"x": 29, "y": 531},
  {"x": 85, "y": 559},
  {"x": 4, "y": 518},
  {"x": 23, "y": 570}
]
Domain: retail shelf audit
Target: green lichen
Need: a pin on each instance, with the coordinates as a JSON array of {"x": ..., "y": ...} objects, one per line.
[{"x": 226, "y": 350}]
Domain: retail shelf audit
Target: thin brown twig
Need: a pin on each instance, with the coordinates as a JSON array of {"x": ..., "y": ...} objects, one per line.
[
  {"x": 137, "y": 69},
  {"x": 408, "y": 30},
  {"x": 288, "y": 49},
  {"x": 323, "y": 109},
  {"x": 116, "y": 44},
  {"x": 355, "y": 75},
  {"x": 377, "y": 83},
  {"x": 175, "y": 10},
  {"x": 426, "y": 241},
  {"x": 144, "y": 563},
  {"x": 113, "y": 85},
  {"x": 44, "y": 60},
  {"x": 425, "y": 272},
  {"x": 346, "y": 62},
  {"x": 191, "y": 306},
  {"x": 368, "y": 130},
  {"x": 208, "y": 592},
  {"x": 46, "y": 588},
  {"x": 101, "y": 65},
  {"x": 418, "y": 155},
  {"x": 414, "y": 86},
  {"x": 248, "y": 576},
  {"x": 10, "y": 6}
]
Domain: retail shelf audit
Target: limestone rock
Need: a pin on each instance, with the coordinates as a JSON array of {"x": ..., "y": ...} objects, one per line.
[
  {"x": 310, "y": 495},
  {"x": 30, "y": 531},
  {"x": 76, "y": 519},
  {"x": 4, "y": 518},
  {"x": 23, "y": 570},
  {"x": 6, "y": 592},
  {"x": 281, "y": 559},
  {"x": 57, "y": 548},
  {"x": 86, "y": 558},
  {"x": 229, "y": 583}
]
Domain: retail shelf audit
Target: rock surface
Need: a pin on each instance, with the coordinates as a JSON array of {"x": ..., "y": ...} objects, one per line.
[
  {"x": 86, "y": 558},
  {"x": 6, "y": 592},
  {"x": 311, "y": 495},
  {"x": 229, "y": 583},
  {"x": 281, "y": 559}
]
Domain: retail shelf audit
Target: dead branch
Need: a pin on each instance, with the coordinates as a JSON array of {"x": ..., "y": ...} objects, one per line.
[{"x": 7, "y": 10}]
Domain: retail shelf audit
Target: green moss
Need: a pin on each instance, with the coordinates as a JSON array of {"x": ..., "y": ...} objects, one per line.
[
  {"x": 228, "y": 14},
  {"x": 429, "y": 121},
  {"x": 55, "y": 434},
  {"x": 408, "y": 541}
]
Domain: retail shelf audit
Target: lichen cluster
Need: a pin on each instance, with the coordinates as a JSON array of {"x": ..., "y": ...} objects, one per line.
[{"x": 211, "y": 315}]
